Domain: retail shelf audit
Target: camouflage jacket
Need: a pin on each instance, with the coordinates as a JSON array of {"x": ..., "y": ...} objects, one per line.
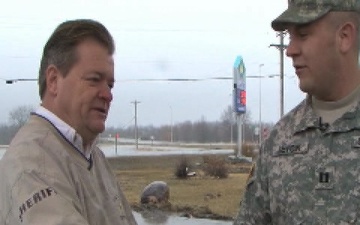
[{"x": 306, "y": 173}]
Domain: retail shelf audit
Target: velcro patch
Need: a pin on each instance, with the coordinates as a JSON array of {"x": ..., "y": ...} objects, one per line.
[{"x": 292, "y": 149}]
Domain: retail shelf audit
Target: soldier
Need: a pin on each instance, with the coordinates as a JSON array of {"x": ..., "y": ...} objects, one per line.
[
  {"x": 53, "y": 172},
  {"x": 308, "y": 169}
]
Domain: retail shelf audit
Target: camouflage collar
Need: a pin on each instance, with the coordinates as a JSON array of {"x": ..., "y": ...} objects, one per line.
[{"x": 308, "y": 118}]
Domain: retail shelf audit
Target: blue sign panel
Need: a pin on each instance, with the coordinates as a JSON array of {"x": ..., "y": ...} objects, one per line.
[{"x": 239, "y": 92}]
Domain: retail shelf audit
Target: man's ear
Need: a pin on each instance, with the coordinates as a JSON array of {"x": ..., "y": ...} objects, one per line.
[
  {"x": 52, "y": 79},
  {"x": 347, "y": 37}
]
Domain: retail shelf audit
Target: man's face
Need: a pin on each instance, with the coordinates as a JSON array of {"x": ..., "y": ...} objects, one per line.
[
  {"x": 84, "y": 95},
  {"x": 312, "y": 48}
]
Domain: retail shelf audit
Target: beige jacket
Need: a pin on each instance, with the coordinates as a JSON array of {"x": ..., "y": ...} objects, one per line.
[{"x": 44, "y": 180}]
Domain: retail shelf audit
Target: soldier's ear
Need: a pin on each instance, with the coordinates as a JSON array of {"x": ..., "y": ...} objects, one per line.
[{"x": 347, "y": 37}]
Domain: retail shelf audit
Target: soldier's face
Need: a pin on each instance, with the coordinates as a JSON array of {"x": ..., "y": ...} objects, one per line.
[{"x": 312, "y": 48}]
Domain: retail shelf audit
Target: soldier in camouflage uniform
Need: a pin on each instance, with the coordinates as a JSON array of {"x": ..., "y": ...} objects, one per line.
[{"x": 308, "y": 169}]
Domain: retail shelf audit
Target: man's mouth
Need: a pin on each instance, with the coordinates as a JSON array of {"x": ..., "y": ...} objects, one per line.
[
  {"x": 101, "y": 110},
  {"x": 299, "y": 68}
]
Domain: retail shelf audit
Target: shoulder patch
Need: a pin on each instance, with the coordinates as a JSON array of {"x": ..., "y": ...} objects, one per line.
[{"x": 35, "y": 199}]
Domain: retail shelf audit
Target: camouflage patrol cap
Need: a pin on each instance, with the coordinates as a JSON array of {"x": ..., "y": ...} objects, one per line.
[{"x": 307, "y": 11}]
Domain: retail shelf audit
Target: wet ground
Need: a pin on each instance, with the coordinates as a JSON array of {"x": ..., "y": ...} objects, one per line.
[{"x": 163, "y": 218}]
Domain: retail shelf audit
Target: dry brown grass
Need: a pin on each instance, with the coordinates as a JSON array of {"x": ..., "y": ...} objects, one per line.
[{"x": 221, "y": 196}]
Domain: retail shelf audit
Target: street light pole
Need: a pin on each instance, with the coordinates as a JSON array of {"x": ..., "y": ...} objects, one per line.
[
  {"x": 171, "y": 125},
  {"x": 231, "y": 128},
  {"x": 282, "y": 34}
]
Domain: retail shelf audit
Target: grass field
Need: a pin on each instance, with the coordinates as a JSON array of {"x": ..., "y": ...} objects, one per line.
[{"x": 218, "y": 197}]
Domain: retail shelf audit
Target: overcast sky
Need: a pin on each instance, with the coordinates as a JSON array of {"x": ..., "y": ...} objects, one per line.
[{"x": 157, "y": 39}]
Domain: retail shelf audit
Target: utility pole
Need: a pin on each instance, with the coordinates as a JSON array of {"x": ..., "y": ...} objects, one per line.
[
  {"x": 136, "y": 128},
  {"x": 281, "y": 47},
  {"x": 260, "y": 121}
]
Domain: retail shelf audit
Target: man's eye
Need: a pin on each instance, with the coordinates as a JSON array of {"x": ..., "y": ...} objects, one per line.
[
  {"x": 93, "y": 79},
  {"x": 303, "y": 34}
]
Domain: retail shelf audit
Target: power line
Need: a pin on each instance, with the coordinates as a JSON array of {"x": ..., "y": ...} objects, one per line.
[
  {"x": 11, "y": 81},
  {"x": 196, "y": 79}
]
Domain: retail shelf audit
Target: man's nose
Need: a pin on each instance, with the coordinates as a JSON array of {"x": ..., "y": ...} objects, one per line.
[
  {"x": 106, "y": 93},
  {"x": 292, "y": 49}
]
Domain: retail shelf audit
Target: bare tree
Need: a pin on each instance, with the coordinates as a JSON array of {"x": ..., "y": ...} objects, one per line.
[
  {"x": 19, "y": 115},
  {"x": 228, "y": 115},
  {"x": 223, "y": 130},
  {"x": 229, "y": 126}
]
